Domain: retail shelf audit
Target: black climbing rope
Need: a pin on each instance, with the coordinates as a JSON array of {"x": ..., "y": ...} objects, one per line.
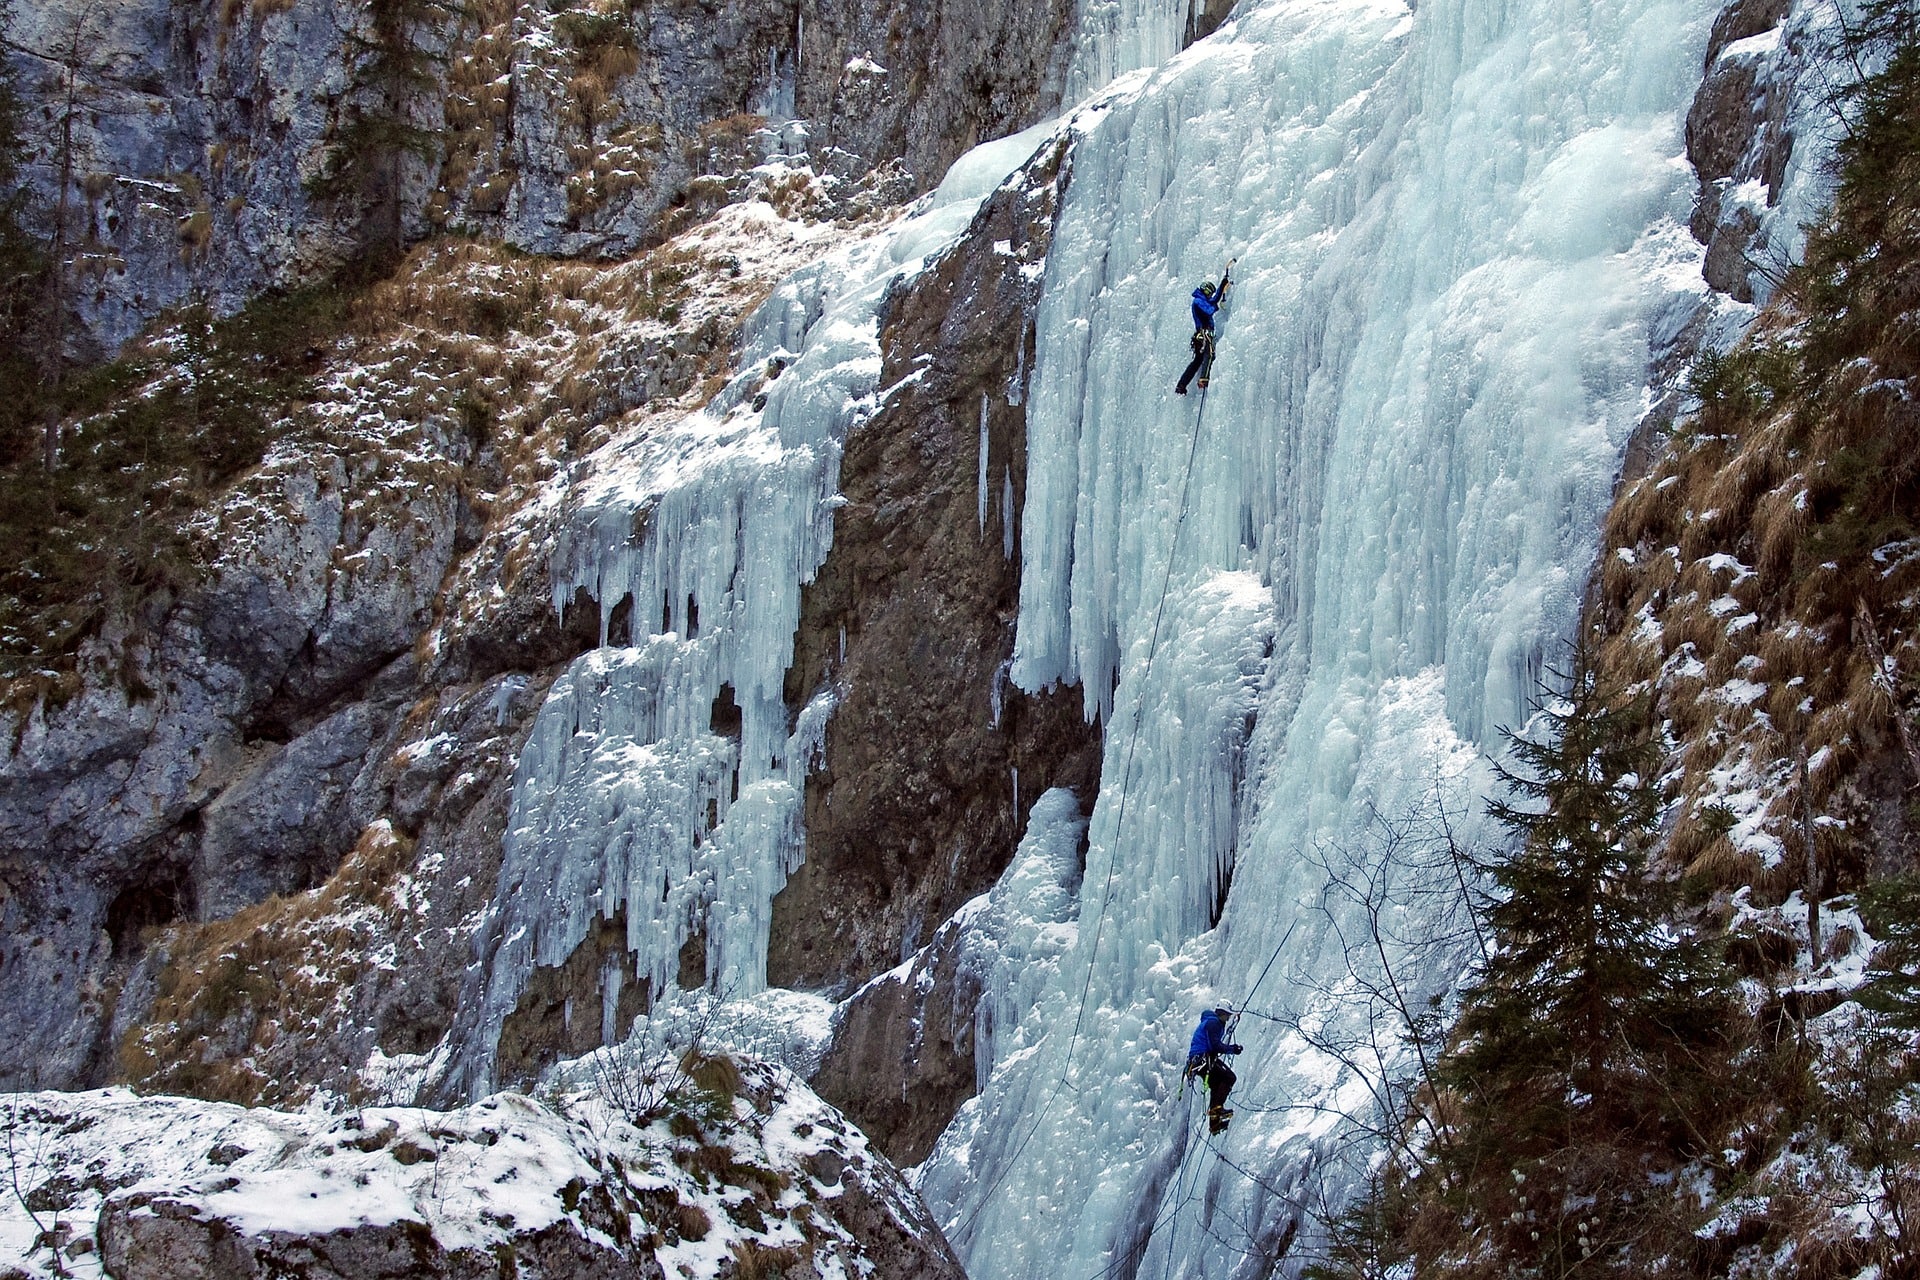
[{"x": 1113, "y": 856}]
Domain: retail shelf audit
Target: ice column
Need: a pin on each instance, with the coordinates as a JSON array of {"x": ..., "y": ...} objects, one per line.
[
  {"x": 1114, "y": 37},
  {"x": 661, "y": 778}
]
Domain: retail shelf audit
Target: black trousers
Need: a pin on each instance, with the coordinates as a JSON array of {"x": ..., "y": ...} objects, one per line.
[
  {"x": 1219, "y": 1077},
  {"x": 1202, "y": 362},
  {"x": 1220, "y": 1080}
]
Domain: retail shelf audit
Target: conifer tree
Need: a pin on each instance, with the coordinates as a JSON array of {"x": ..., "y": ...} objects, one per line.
[
  {"x": 1590, "y": 1036},
  {"x": 1587, "y": 990},
  {"x": 1891, "y": 910},
  {"x": 378, "y": 142}
]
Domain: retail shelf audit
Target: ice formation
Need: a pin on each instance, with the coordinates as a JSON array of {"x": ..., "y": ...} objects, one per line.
[
  {"x": 1459, "y": 228},
  {"x": 662, "y": 778},
  {"x": 1301, "y": 603}
]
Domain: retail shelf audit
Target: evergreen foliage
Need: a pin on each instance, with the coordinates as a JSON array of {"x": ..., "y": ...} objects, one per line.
[
  {"x": 1593, "y": 1035},
  {"x": 1891, "y": 911},
  {"x": 379, "y": 136},
  {"x": 1588, "y": 996},
  {"x": 1861, "y": 291},
  {"x": 149, "y": 437}
]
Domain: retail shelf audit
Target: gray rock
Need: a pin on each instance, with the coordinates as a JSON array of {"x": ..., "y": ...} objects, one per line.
[
  {"x": 1740, "y": 133},
  {"x": 195, "y": 131},
  {"x": 283, "y": 824},
  {"x": 164, "y": 1238},
  {"x": 114, "y": 812},
  {"x": 206, "y": 142}
]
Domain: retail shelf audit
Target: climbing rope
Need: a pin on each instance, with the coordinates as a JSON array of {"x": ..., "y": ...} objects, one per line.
[
  {"x": 1147, "y": 1238},
  {"x": 1264, "y": 972},
  {"x": 1113, "y": 856}
]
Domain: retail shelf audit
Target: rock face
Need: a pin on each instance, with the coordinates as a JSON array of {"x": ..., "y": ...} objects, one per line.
[
  {"x": 1740, "y": 137},
  {"x": 903, "y": 1053},
  {"x": 184, "y": 152},
  {"x": 932, "y": 757},
  {"x": 166, "y": 1239},
  {"x": 912, "y": 616},
  {"x": 204, "y": 766},
  {"x": 174, "y": 148},
  {"x": 745, "y": 1174}
]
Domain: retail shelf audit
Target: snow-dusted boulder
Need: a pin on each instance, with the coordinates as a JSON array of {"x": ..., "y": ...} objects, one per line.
[{"x": 751, "y": 1175}]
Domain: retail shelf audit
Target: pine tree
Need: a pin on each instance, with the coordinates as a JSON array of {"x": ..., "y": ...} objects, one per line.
[
  {"x": 378, "y": 144},
  {"x": 1891, "y": 910},
  {"x": 1588, "y": 1038}
]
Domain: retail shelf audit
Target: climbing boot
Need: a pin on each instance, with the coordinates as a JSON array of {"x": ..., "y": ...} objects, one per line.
[{"x": 1217, "y": 1118}]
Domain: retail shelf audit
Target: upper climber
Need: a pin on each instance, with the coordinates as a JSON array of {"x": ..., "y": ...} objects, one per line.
[
  {"x": 1207, "y": 301},
  {"x": 1203, "y": 1060}
]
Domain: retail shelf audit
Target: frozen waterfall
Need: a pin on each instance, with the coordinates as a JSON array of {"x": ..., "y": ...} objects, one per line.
[
  {"x": 1302, "y": 606},
  {"x": 661, "y": 779},
  {"x": 1459, "y": 229}
]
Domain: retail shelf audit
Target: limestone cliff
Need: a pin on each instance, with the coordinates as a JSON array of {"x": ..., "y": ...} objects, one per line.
[
  {"x": 298, "y": 761},
  {"x": 206, "y": 151}
]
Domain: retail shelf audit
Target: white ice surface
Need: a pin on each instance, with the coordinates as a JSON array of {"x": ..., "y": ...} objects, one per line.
[{"x": 1458, "y": 226}]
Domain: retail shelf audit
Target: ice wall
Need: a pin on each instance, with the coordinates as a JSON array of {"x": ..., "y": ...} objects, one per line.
[
  {"x": 1458, "y": 226},
  {"x": 1114, "y": 37},
  {"x": 662, "y": 778}
]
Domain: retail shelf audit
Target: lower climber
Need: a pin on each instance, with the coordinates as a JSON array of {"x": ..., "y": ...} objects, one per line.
[
  {"x": 1207, "y": 301},
  {"x": 1204, "y": 1060}
]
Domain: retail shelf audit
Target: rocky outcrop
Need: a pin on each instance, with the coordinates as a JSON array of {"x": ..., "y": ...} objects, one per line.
[
  {"x": 202, "y": 765},
  {"x": 1740, "y": 137},
  {"x": 915, "y": 810},
  {"x": 742, "y": 1172},
  {"x": 165, "y": 1238},
  {"x": 175, "y": 149},
  {"x": 902, "y": 1058},
  {"x": 209, "y": 152},
  {"x": 596, "y": 131},
  {"x": 932, "y": 757}
]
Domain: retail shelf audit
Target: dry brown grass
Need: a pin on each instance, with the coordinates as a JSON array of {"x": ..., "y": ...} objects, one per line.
[
  {"x": 1748, "y": 489},
  {"x": 233, "y": 989},
  {"x": 691, "y": 1221},
  {"x": 755, "y": 1261}
]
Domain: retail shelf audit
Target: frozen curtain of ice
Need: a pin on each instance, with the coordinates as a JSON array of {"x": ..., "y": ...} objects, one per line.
[
  {"x": 1459, "y": 228},
  {"x": 662, "y": 779},
  {"x": 1307, "y": 602}
]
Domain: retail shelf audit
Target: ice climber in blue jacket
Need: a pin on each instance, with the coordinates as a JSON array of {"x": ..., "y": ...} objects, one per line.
[
  {"x": 1207, "y": 302},
  {"x": 1204, "y": 1061}
]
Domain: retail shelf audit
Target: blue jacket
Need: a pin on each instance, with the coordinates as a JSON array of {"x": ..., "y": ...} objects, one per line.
[
  {"x": 1203, "y": 311},
  {"x": 1211, "y": 1036}
]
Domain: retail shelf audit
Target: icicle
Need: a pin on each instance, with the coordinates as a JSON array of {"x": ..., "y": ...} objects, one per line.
[
  {"x": 610, "y": 980},
  {"x": 981, "y": 485},
  {"x": 632, "y": 793},
  {"x": 1458, "y": 225},
  {"x": 1006, "y": 514}
]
